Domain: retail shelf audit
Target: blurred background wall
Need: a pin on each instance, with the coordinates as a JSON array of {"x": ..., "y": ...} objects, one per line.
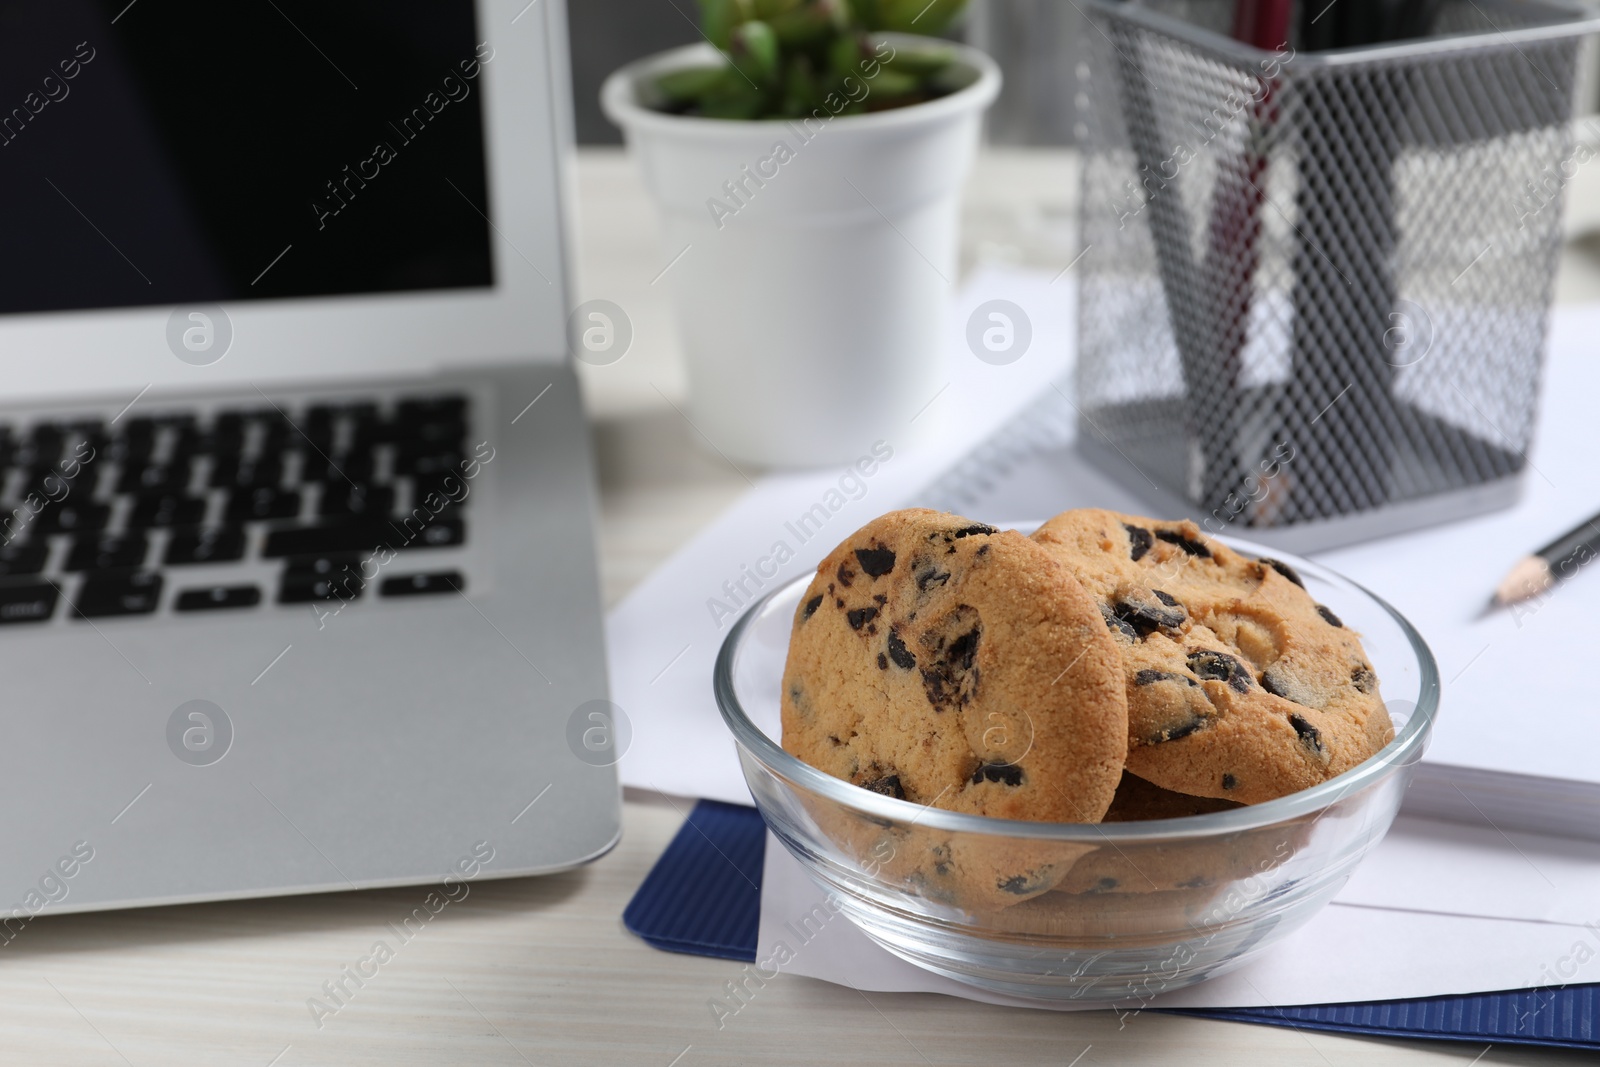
[{"x": 1036, "y": 42}]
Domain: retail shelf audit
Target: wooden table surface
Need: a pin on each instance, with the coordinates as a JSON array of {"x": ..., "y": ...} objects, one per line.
[{"x": 540, "y": 970}]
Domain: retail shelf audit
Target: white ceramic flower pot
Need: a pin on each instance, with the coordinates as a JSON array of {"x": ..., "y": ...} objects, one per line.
[{"x": 809, "y": 259}]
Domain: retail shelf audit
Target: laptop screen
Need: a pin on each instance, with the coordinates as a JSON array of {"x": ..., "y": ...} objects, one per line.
[{"x": 185, "y": 151}]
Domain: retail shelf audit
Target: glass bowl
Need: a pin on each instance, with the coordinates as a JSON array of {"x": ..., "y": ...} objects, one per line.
[{"x": 1144, "y": 907}]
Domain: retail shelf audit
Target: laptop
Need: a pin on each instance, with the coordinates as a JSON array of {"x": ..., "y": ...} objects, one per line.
[{"x": 298, "y": 588}]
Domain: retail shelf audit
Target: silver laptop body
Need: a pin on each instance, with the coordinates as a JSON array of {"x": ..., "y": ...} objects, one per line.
[{"x": 298, "y": 586}]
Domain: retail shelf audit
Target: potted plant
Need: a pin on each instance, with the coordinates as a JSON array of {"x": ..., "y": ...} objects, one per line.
[{"x": 808, "y": 163}]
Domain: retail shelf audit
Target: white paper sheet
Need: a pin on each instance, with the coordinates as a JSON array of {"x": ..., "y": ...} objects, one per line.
[
  {"x": 1346, "y": 953},
  {"x": 1454, "y": 869}
]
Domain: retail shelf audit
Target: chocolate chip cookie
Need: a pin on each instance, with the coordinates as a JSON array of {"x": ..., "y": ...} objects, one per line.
[
  {"x": 1240, "y": 686},
  {"x": 948, "y": 663}
]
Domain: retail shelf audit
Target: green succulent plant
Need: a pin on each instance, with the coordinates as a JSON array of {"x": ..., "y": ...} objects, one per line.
[{"x": 790, "y": 58}]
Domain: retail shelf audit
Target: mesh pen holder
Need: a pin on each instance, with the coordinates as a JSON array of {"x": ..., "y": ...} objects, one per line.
[{"x": 1315, "y": 295}]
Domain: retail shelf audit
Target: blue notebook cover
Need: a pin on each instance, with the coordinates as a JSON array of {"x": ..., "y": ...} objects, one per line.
[{"x": 704, "y": 897}]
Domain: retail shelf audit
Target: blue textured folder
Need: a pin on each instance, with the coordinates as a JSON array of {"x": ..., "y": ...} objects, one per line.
[{"x": 704, "y": 897}]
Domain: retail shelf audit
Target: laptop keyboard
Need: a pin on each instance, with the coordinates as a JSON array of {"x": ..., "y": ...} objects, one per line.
[{"x": 103, "y": 516}]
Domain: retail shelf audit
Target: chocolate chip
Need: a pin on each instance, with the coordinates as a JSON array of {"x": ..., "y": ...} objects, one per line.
[
  {"x": 876, "y": 562},
  {"x": 1139, "y": 541},
  {"x": 811, "y": 607},
  {"x": 836, "y": 742},
  {"x": 1274, "y": 685},
  {"x": 1024, "y": 885},
  {"x": 1146, "y": 619},
  {"x": 1105, "y": 885},
  {"x": 845, "y": 574},
  {"x": 1220, "y": 667},
  {"x": 1178, "y": 733},
  {"x": 1329, "y": 617},
  {"x": 962, "y": 650},
  {"x": 880, "y": 600},
  {"x": 976, "y": 529},
  {"x": 1117, "y": 624},
  {"x": 888, "y": 785},
  {"x": 1229, "y": 781},
  {"x": 1150, "y": 677},
  {"x": 838, "y": 602},
  {"x": 1309, "y": 736},
  {"x": 1166, "y": 598},
  {"x": 883, "y": 662},
  {"x": 859, "y": 617},
  {"x": 1176, "y": 537},
  {"x": 1363, "y": 679},
  {"x": 982, "y": 551},
  {"x": 949, "y": 674},
  {"x": 1283, "y": 569},
  {"x": 1008, "y": 773},
  {"x": 899, "y": 652},
  {"x": 931, "y": 576}
]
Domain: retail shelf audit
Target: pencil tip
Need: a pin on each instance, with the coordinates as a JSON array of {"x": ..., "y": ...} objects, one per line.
[{"x": 1530, "y": 577}]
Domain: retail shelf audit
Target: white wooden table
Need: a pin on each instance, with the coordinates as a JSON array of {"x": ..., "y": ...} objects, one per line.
[{"x": 541, "y": 971}]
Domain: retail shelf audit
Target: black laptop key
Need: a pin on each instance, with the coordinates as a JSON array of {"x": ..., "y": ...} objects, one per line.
[
  {"x": 367, "y": 432},
  {"x": 437, "y": 435},
  {"x": 440, "y": 533},
  {"x": 104, "y": 552},
  {"x": 324, "y": 563},
  {"x": 42, "y": 447},
  {"x": 155, "y": 478},
  {"x": 326, "y": 578},
  {"x": 339, "y": 499},
  {"x": 167, "y": 509},
  {"x": 427, "y": 460},
  {"x": 431, "y": 409},
  {"x": 54, "y": 483},
  {"x": 186, "y": 442},
  {"x": 217, "y": 597},
  {"x": 228, "y": 433},
  {"x": 365, "y": 535},
  {"x": 276, "y": 432},
  {"x": 119, "y": 593},
  {"x": 247, "y": 472},
  {"x": 447, "y": 485},
  {"x": 140, "y": 428},
  {"x": 317, "y": 436},
  {"x": 361, "y": 535},
  {"x": 27, "y": 602},
  {"x": 215, "y": 544},
  {"x": 344, "y": 468},
  {"x": 131, "y": 449},
  {"x": 91, "y": 445},
  {"x": 423, "y": 584},
  {"x": 245, "y": 505},
  {"x": 72, "y": 515},
  {"x": 23, "y": 558}
]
